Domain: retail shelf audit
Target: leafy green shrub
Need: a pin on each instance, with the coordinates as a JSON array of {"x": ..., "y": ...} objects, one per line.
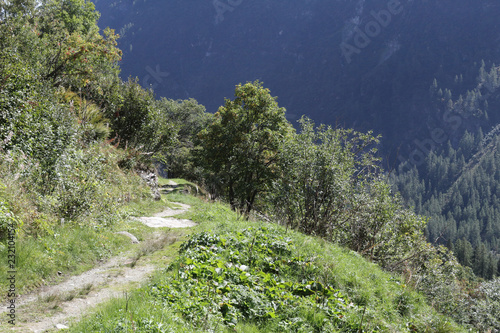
[
  {"x": 250, "y": 276},
  {"x": 480, "y": 308},
  {"x": 239, "y": 148},
  {"x": 80, "y": 179},
  {"x": 139, "y": 122},
  {"x": 87, "y": 187},
  {"x": 93, "y": 126},
  {"x": 190, "y": 118},
  {"x": 330, "y": 185}
]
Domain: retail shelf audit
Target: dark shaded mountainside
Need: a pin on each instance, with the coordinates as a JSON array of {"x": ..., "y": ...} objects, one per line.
[
  {"x": 421, "y": 73},
  {"x": 361, "y": 64}
]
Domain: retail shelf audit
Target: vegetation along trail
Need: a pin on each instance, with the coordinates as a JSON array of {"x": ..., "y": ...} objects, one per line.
[{"x": 52, "y": 307}]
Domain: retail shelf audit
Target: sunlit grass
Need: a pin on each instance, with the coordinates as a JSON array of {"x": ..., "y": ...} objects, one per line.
[
  {"x": 381, "y": 301},
  {"x": 71, "y": 250},
  {"x": 74, "y": 247}
]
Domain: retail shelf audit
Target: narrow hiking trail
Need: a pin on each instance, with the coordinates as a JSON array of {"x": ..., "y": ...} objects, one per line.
[
  {"x": 165, "y": 219},
  {"x": 52, "y": 308}
]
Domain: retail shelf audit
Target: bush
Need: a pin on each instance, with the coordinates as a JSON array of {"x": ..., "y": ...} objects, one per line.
[
  {"x": 190, "y": 118},
  {"x": 7, "y": 220},
  {"x": 250, "y": 276},
  {"x": 139, "y": 122},
  {"x": 330, "y": 185},
  {"x": 239, "y": 148}
]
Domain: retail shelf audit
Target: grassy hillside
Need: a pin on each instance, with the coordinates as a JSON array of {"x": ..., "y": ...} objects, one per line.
[{"x": 248, "y": 276}]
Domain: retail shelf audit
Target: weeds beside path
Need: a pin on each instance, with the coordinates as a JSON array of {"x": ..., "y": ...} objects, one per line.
[
  {"x": 165, "y": 219},
  {"x": 51, "y": 307}
]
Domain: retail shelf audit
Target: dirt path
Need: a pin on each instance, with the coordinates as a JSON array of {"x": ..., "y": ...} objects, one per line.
[
  {"x": 53, "y": 307},
  {"x": 165, "y": 219},
  {"x": 56, "y": 305}
]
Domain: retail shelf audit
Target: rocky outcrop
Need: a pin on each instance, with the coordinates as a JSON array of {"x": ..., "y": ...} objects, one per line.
[{"x": 151, "y": 179}]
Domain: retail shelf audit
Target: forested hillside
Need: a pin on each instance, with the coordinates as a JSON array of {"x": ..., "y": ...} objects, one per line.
[
  {"x": 362, "y": 64},
  {"x": 458, "y": 189},
  {"x": 456, "y": 182}
]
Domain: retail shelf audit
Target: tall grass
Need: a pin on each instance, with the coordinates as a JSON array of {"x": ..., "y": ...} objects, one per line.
[{"x": 70, "y": 250}]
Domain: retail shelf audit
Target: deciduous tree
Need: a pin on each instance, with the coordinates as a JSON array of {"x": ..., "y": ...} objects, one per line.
[{"x": 240, "y": 147}]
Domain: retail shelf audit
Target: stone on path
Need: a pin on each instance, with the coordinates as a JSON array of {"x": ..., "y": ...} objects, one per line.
[
  {"x": 166, "y": 222},
  {"x": 129, "y": 235}
]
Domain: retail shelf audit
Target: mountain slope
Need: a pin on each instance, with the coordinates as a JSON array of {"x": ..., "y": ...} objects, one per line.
[
  {"x": 459, "y": 190},
  {"x": 366, "y": 65}
]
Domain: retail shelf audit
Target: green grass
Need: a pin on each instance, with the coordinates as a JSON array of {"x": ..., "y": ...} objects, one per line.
[
  {"x": 374, "y": 300},
  {"x": 49, "y": 238},
  {"x": 70, "y": 250},
  {"x": 74, "y": 248},
  {"x": 179, "y": 181},
  {"x": 138, "y": 208}
]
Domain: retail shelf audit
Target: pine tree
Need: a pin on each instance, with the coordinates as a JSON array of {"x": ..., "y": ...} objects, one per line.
[
  {"x": 490, "y": 268},
  {"x": 447, "y": 94},
  {"x": 450, "y": 246},
  {"x": 498, "y": 267},
  {"x": 434, "y": 87},
  {"x": 479, "y": 137},
  {"x": 480, "y": 260},
  {"x": 459, "y": 251},
  {"x": 468, "y": 253},
  {"x": 482, "y": 72}
]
